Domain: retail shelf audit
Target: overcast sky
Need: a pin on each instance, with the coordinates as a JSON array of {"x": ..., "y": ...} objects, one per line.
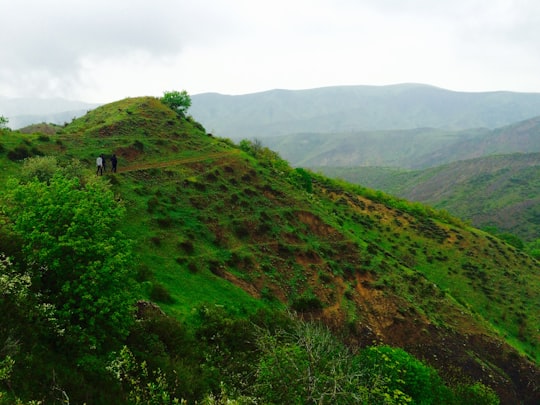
[{"x": 105, "y": 50}]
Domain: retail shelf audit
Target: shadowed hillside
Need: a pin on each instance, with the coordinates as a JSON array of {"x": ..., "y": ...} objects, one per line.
[
  {"x": 412, "y": 149},
  {"x": 219, "y": 224}
]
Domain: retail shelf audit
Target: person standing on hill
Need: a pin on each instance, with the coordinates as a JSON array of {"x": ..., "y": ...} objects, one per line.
[
  {"x": 99, "y": 164},
  {"x": 114, "y": 162},
  {"x": 104, "y": 162}
]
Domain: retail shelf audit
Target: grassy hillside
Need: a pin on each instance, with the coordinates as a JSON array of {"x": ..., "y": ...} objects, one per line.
[
  {"x": 501, "y": 191},
  {"x": 415, "y": 148},
  {"x": 412, "y": 149},
  {"x": 234, "y": 226},
  {"x": 522, "y": 136}
]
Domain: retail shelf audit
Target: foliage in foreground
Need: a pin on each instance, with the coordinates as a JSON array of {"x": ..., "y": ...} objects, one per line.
[
  {"x": 321, "y": 370},
  {"x": 76, "y": 258},
  {"x": 73, "y": 280}
]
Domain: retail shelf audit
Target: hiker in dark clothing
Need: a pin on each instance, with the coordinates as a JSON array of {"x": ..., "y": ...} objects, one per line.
[
  {"x": 104, "y": 162},
  {"x": 114, "y": 162}
]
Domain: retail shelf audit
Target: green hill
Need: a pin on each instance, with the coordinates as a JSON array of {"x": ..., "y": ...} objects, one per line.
[
  {"x": 414, "y": 148},
  {"x": 499, "y": 191},
  {"x": 222, "y": 231},
  {"x": 417, "y": 148}
]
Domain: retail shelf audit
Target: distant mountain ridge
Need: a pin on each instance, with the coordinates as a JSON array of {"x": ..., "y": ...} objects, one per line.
[
  {"x": 25, "y": 111},
  {"x": 355, "y": 108},
  {"x": 410, "y": 149}
]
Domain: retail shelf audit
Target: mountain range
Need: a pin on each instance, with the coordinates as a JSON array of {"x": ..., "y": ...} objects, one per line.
[
  {"x": 342, "y": 109},
  {"x": 25, "y": 111},
  {"x": 409, "y": 149}
]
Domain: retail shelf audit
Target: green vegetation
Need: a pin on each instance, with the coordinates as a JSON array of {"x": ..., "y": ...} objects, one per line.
[
  {"x": 75, "y": 255},
  {"x": 3, "y": 122},
  {"x": 178, "y": 101},
  {"x": 500, "y": 191},
  {"x": 172, "y": 278}
]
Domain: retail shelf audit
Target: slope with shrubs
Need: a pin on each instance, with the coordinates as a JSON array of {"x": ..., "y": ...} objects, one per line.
[
  {"x": 500, "y": 191},
  {"x": 226, "y": 236}
]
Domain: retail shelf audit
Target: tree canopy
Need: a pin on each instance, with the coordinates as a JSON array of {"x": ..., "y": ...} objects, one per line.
[
  {"x": 75, "y": 256},
  {"x": 179, "y": 101},
  {"x": 3, "y": 122}
]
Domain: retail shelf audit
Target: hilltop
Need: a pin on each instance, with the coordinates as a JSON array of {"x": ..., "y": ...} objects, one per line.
[{"x": 214, "y": 223}]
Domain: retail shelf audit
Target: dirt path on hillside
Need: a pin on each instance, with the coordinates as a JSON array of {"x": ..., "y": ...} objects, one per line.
[{"x": 175, "y": 162}]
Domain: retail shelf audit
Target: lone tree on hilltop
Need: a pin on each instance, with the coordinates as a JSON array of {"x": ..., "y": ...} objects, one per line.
[
  {"x": 4, "y": 121},
  {"x": 178, "y": 101}
]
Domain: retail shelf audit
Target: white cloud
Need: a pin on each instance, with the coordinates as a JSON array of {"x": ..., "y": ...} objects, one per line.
[{"x": 104, "y": 50}]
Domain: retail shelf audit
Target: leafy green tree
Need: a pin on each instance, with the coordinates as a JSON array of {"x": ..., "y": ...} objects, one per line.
[
  {"x": 3, "y": 122},
  {"x": 512, "y": 239},
  {"x": 141, "y": 385},
  {"x": 394, "y": 375},
  {"x": 77, "y": 260},
  {"x": 41, "y": 167},
  {"x": 178, "y": 101}
]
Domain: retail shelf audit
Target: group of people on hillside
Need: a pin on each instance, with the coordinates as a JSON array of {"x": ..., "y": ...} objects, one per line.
[{"x": 101, "y": 164}]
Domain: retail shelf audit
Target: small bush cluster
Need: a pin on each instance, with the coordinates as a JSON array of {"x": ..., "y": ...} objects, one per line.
[{"x": 159, "y": 293}]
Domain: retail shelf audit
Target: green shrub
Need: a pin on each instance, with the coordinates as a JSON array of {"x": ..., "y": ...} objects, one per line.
[
  {"x": 306, "y": 304},
  {"x": 477, "y": 394},
  {"x": 159, "y": 293},
  {"x": 394, "y": 370},
  {"x": 141, "y": 385},
  {"x": 302, "y": 179},
  {"x": 165, "y": 222},
  {"x": 19, "y": 153},
  {"x": 144, "y": 273},
  {"x": 41, "y": 167},
  {"x": 307, "y": 365},
  {"x": 138, "y": 145},
  {"x": 152, "y": 204},
  {"x": 78, "y": 259}
]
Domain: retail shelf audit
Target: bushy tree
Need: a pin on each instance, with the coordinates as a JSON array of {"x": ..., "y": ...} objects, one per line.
[
  {"x": 3, "y": 122},
  {"x": 533, "y": 248},
  {"x": 76, "y": 258},
  {"x": 42, "y": 167},
  {"x": 265, "y": 155},
  {"x": 142, "y": 387},
  {"x": 178, "y": 101},
  {"x": 394, "y": 375},
  {"x": 477, "y": 394},
  {"x": 316, "y": 367}
]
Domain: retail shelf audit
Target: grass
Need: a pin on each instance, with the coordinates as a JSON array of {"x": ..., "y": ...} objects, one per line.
[
  {"x": 217, "y": 224},
  {"x": 499, "y": 190}
]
